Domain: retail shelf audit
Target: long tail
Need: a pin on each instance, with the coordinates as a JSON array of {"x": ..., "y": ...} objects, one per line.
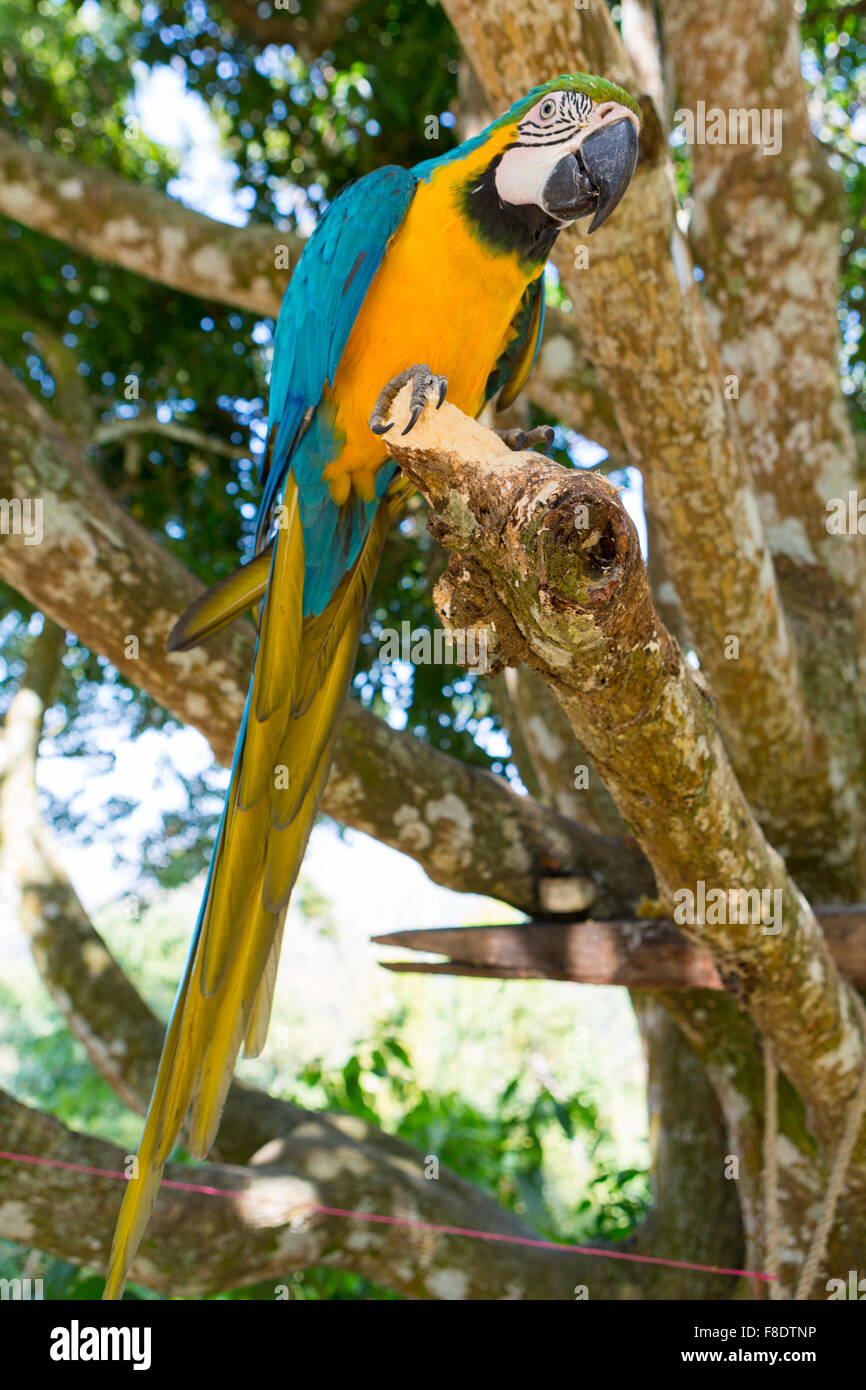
[{"x": 281, "y": 763}]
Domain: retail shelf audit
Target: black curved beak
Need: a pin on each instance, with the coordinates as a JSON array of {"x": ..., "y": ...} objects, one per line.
[{"x": 594, "y": 178}]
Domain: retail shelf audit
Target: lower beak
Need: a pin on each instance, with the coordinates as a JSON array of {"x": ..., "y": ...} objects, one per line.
[{"x": 594, "y": 178}]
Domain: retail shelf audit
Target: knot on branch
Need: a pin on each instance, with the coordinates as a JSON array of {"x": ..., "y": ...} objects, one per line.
[
  {"x": 587, "y": 545},
  {"x": 545, "y": 558}
]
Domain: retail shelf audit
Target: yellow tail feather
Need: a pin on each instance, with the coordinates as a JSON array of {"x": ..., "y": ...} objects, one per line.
[
  {"x": 260, "y": 1018},
  {"x": 227, "y": 990},
  {"x": 221, "y": 604},
  {"x": 275, "y": 676}
]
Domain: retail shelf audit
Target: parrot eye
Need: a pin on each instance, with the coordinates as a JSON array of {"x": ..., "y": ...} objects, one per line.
[{"x": 547, "y": 108}]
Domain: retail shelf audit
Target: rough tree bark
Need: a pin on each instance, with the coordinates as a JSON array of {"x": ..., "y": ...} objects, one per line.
[
  {"x": 647, "y": 334},
  {"x": 765, "y": 231},
  {"x": 264, "y": 1227},
  {"x": 548, "y": 560},
  {"x": 100, "y": 574}
]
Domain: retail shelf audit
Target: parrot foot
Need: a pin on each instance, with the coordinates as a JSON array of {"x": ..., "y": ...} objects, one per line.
[
  {"x": 423, "y": 380},
  {"x": 540, "y": 438}
]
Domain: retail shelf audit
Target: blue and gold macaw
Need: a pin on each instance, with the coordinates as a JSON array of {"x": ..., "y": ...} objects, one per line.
[{"x": 442, "y": 263}]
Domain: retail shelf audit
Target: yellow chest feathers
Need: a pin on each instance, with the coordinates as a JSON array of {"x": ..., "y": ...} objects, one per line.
[{"x": 440, "y": 297}]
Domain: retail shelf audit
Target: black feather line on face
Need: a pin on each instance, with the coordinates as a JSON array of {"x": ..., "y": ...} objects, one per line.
[
  {"x": 572, "y": 113},
  {"x": 537, "y": 144},
  {"x": 524, "y": 230}
]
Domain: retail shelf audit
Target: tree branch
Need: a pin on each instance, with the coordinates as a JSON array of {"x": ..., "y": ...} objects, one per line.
[
  {"x": 642, "y": 954},
  {"x": 645, "y": 331},
  {"x": 100, "y": 574},
  {"x": 566, "y": 384},
  {"x": 549, "y": 560},
  {"x": 729, "y": 1049},
  {"x": 765, "y": 229},
  {"x": 568, "y": 782},
  {"x": 694, "y": 1207},
  {"x": 198, "y": 1244},
  {"x": 140, "y": 228},
  {"x": 113, "y": 430}
]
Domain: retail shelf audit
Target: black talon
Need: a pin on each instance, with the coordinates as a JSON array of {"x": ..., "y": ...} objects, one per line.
[{"x": 422, "y": 380}]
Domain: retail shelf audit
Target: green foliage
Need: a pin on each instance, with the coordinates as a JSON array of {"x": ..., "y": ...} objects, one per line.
[
  {"x": 501, "y": 1149},
  {"x": 312, "y": 126},
  {"x": 46, "y": 1067}
]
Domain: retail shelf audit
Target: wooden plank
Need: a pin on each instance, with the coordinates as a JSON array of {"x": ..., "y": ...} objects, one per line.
[{"x": 649, "y": 954}]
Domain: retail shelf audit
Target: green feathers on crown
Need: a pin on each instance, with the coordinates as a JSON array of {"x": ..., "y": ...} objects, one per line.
[{"x": 598, "y": 89}]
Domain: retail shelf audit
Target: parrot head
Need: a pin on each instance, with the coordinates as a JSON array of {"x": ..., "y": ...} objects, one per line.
[
  {"x": 573, "y": 151},
  {"x": 566, "y": 150}
]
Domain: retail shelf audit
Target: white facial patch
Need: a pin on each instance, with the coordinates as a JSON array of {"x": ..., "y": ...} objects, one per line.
[
  {"x": 523, "y": 171},
  {"x": 555, "y": 127},
  {"x": 552, "y": 129}
]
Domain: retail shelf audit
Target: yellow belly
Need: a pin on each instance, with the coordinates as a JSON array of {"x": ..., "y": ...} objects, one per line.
[{"x": 440, "y": 297}]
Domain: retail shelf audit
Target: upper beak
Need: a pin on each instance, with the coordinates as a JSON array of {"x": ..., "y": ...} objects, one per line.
[
  {"x": 610, "y": 156},
  {"x": 595, "y": 176}
]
